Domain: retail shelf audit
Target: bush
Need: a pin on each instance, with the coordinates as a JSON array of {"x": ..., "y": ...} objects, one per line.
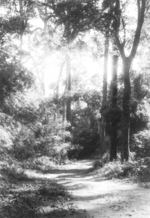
[
  {"x": 143, "y": 170},
  {"x": 23, "y": 145},
  {"x": 5, "y": 138},
  {"x": 74, "y": 151},
  {"x": 141, "y": 144},
  {"x": 14, "y": 172},
  {"x": 98, "y": 165},
  {"x": 85, "y": 124},
  {"x": 138, "y": 171},
  {"x": 115, "y": 169},
  {"x": 43, "y": 163},
  {"x": 86, "y": 141},
  {"x": 20, "y": 207},
  {"x": 43, "y": 137}
]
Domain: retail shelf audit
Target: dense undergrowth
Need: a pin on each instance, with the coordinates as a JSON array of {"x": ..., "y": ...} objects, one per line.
[
  {"x": 33, "y": 144},
  {"x": 137, "y": 171}
]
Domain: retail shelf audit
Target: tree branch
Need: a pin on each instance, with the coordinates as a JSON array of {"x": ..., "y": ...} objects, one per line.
[
  {"x": 119, "y": 45},
  {"x": 141, "y": 5},
  {"x": 124, "y": 30}
]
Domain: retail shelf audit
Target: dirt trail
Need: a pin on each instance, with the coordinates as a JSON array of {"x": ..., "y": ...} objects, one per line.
[{"x": 103, "y": 198}]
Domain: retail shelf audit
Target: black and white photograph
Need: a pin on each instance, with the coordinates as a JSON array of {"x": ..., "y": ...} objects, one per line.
[{"x": 74, "y": 108}]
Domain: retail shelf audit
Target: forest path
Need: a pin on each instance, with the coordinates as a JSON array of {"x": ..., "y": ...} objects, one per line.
[{"x": 102, "y": 198}]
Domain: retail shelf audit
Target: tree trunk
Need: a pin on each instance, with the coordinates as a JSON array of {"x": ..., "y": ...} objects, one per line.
[
  {"x": 127, "y": 61},
  {"x": 126, "y": 111},
  {"x": 114, "y": 87},
  {"x": 68, "y": 88},
  {"x": 114, "y": 121},
  {"x": 22, "y": 20},
  {"x": 58, "y": 82},
  {"x": 104, "y": 101}
]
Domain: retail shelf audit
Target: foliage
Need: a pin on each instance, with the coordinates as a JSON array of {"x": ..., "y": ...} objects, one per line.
[
  {"x": 5, "y": 138},
  {"x": 111, "y": 115},
  {"x": 137, "y": 171},
  {"x": 13, "y": 77},
  {"x": 50, "y": 130},
  {"x": 16, "y": 21},
  {"x": 115, "y": 169},
  {"x": 42, "y": 163},
  {"x": 23, "y": 144},
  {"x": 33, "y": 131},
  {"x": 143, "y": 170},
  {"x": 23, "y": 112},
  {"x": 76, "y": 17},
  {"x": 11, "y": 169},
  {"x": 41, "y": 134},
  {"x": 14, "y": 172},
  {"x": 75, "y": 152},
  {"x": 141, "y": 144},
  {"x": 139, "y": 102},
  {"x": 85, "y": 122},
  {"x": 13, "y": 25}
]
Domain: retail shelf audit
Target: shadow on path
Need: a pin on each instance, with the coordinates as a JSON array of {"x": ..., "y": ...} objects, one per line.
[
  {"x": 67, "y": 171},
  {"x": 100, "y": 197}
]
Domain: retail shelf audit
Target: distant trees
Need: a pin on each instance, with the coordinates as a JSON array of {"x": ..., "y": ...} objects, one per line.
[
  {"x": 65, "y": 23},
  {"x": 105, "y": 97},
  {"x": 13, "y": 76},
  {"x": 74, "y": 18}
]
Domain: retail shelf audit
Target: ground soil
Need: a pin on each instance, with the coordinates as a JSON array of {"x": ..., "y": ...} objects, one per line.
[{"x": 100, "y": 197}]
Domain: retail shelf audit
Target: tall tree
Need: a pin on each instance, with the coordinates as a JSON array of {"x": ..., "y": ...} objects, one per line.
[
  {"x": 68, "y": 87},
  {"x": 127, "y": 61},
  {"x": 104, "y": 99},
  {"x": 114, "y": 85},
  {"x": 111, "y": 23}
]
